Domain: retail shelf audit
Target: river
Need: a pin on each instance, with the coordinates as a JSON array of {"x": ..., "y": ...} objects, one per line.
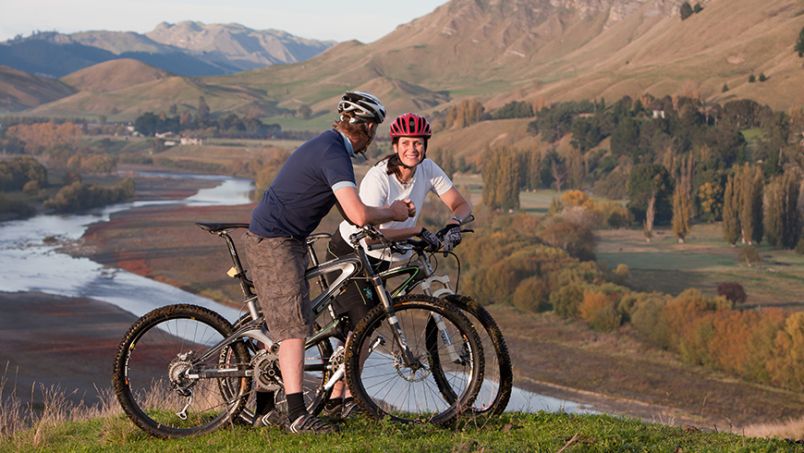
[{"x": 31, "y": 262}]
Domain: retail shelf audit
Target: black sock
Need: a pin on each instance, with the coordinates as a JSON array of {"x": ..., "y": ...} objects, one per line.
[
  {"x": 296, "y": 406},
  {"x": 265, "y": 402}
]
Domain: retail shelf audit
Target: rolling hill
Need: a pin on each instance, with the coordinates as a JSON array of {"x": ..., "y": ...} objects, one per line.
[
  {"x": 534, "y": 50},
  {"x": 20, "y": 90},
  {"x": 113, "y": 75}
]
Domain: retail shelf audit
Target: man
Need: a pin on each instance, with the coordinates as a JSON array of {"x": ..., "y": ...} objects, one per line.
[{"x": 315, "y": 176}]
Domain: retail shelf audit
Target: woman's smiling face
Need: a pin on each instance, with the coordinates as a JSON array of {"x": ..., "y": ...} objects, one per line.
[{"x": 410, "y": 150}]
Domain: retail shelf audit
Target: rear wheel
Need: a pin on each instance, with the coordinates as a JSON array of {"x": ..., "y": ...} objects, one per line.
[
  {"x": 385, "y": 383},
  {"x": 163, "y": 382}
]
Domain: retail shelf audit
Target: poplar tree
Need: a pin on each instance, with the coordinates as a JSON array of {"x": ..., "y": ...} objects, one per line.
[
  {"x": 681, "y": 213},
  {"x": 772, "y": 219},
  {"x": 751, "y": 183},
  {"x": 791, "y": 218},
  {"x": 731, "y": 217}
]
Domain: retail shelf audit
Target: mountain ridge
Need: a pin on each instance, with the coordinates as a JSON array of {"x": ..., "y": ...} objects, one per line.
[
  {"x": 543, "y": 51},
  {"x": 187, "y": 48}
]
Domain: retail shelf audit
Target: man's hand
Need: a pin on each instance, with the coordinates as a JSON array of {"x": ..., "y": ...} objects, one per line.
[
  {"x": 432, "y": 240},
  {"x": 450, "y": 237},
  {"x": 402, "y": 209}
]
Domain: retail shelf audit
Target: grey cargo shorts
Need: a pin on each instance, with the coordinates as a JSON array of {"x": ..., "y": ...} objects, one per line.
[{"x": 277, "y": 266}]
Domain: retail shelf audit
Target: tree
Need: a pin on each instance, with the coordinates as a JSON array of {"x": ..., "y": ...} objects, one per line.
[
  {"x": 305, "y": 111},
  {"x": 650, "y": 214},
  {"x": 752, "y": 78},
  {"x": 685, "y": 10},
  {"x": 762, "y": 77},
  {"x": 650, "y": 182},
  {"x": 501, "y": 179},
  {"x": 752, "y": 183},
  {"x": 731, "y": 209},
  {"x": 697, "y": 8},
  {"x": 203, "y": 112},
  {"x": 725, "y": 88},
  {"x": 782, "y": 218},
  {"x": 800, "y": 43},
  {"x": 681, "y": 213}
]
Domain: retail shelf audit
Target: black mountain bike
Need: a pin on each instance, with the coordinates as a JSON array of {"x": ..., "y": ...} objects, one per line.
[{"x": 183, "y": 370}]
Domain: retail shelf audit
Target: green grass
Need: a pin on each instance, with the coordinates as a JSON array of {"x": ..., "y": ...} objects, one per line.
[
  {"x": 702, "y": 262},
  {"x": 511, "y": 432}
]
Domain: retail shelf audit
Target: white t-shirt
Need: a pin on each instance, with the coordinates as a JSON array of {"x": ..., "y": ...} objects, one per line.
[{"x": 381, "y": 189}]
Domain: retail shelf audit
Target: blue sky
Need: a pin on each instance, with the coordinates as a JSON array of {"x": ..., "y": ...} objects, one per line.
[{"x": 339, "y": 20}]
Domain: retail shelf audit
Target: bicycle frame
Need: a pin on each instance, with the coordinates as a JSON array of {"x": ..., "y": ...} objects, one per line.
[{"x": 345, "y": 267}]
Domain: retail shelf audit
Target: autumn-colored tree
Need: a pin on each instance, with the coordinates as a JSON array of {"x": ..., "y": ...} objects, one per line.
[
  {"x": 599, "y": 311},
  {"x": 39, "y": 137},
  {"x": 444, "y": 159},
  {"x": 501, "y": 179},
  {"x": 710, "y": 200},
  {"x": 576, "y": 198},
  {"x": 752, "y": 184},
  {"x": 466, "y": 113}
]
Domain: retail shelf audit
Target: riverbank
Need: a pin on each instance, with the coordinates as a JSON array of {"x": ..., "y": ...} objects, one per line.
[{"x": 53, "y": 343}]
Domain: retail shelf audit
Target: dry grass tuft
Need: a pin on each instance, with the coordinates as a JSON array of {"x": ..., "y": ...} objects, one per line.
[
  {"x": 790, "y": 429},
  {"x": 17, "y": 417}
]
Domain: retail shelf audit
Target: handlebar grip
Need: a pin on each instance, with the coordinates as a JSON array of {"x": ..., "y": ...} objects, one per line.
[{"x": 377, "y": 246}]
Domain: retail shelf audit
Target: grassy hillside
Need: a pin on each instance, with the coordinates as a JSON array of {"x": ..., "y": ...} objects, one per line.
[
  {"x": 511, "y": 432},
  {"x": 113, "y": 75},
  {"x": 530, "y": 50},
  {"x": 20, "y": 90}
]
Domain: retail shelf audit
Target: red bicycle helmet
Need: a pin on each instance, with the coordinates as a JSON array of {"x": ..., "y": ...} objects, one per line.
[{"x": 410, "y": 125}]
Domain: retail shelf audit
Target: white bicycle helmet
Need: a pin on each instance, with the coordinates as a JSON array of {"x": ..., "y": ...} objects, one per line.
[{"x": 361, "y": 107}]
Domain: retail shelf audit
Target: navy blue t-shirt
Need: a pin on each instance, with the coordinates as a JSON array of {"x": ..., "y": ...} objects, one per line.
[{"x": 303, "y": 191}]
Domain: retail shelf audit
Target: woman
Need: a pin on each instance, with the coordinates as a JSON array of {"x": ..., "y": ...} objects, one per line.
[{"x": 404, "y": 175}]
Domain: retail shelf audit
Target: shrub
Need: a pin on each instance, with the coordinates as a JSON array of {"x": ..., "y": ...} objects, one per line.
[
  {"x": 31, "y": 187},
  {"x": 752, "y": 78},
  {"x": 681, "y": 315},
  {"x": 732, "y": 291},
  {"x": 749, "y": 255},
  {"x": 685, "y": 11},
  {"x": 786, "y": 367},
  {"x": 567, "y": 299},
  {"x": 575, "y": 239},
  {"x": 621, "y": 273},
  {"x": 762, "y": 77},
  {"x": 725, "y": 88},
  {"x": 599, "y": 311},
  {"x": 647, "y": 318},
  {"x": 529, "y": 295}
]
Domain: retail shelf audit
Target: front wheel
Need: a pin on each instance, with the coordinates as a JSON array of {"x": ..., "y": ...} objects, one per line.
[
  {"x": 385, "y": 382},
  {"x": 498, "y": 376},
  {"x": 163, "y": 380}
]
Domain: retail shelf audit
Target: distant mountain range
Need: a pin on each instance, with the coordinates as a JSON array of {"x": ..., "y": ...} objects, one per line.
[
  {"x": 186, "y": 48},
  {"x": 493, "y": 50}
]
